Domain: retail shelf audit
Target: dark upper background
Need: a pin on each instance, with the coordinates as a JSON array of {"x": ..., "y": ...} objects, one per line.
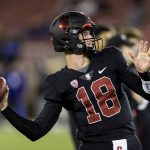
[
  {"x": 26, "y": 54},
  {"x": 20, "y": 15}
]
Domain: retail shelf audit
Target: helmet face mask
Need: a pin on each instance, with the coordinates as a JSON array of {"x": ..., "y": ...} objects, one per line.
[{"x": 65, "y": 30}]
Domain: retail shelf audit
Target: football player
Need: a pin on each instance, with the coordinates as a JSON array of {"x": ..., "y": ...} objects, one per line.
[
  {"x": 90, "y": 87},
  {"x": 106, "y": 32}
]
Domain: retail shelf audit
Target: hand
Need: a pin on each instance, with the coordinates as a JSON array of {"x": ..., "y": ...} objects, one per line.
[
  {"x": 4, "y": 102},
  {"x": 141, "y": 59}
]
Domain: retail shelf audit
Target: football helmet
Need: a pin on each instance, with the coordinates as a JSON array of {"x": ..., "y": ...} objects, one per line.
[{"x": 64, "y": 32}]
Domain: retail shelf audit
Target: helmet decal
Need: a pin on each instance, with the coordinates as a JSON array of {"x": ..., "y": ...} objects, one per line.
[
  {"x": 88, "y": 25},
  {"x": 64, "y": 23}
]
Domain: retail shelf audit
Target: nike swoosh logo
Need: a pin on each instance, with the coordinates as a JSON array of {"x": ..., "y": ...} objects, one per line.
[{"x": 101, "y": 71}]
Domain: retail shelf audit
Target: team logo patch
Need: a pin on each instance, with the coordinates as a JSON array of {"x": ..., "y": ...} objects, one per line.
[
  {"x": 74, "y": 83},
  {"x": 87, "y": 76}
]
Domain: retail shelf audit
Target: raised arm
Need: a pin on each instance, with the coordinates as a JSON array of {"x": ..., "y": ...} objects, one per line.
[
  {"x": 32, "y": 129},
  {"x": 139, "y": 83}
]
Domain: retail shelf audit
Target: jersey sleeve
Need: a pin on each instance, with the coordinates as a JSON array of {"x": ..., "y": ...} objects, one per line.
[
  {"x": 50, "y": 90},
  {"x": 40, "y": 126},
  {"x": 45, "y": 120},
  {"x": 130, "y": 78}
]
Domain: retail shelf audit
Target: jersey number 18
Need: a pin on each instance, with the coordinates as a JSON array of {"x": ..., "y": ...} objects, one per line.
[{"x": 102, "y": 98}]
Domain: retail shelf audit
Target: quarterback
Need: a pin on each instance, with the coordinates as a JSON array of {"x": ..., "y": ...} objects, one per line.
[{"x": 90, "y": 87}]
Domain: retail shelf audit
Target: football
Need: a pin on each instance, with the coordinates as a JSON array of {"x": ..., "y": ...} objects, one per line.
[{"x": 3, "y": 88}]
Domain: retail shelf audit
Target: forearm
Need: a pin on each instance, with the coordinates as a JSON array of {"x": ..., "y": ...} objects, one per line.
[
  {"x": 27, "y": 127},
  {"x": 145, "y": 78},
  {"x": 134, "y": 82},
  {"x": 40, "y": 126}
]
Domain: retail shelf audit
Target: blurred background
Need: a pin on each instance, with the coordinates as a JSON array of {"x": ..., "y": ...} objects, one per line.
[{"x": 27, "y": 56}]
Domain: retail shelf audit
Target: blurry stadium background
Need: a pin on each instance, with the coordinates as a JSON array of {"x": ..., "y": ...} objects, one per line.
[{"x": 27, "y": 56}]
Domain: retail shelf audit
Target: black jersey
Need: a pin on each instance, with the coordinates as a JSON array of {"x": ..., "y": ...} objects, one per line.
[{"x": 95, "y": 98}]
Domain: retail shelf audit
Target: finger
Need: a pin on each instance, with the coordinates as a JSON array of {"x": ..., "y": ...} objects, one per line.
[
  {"x": 7, "y": 88},
  {"x": 145, "y": 47},
  {"x": 5, "y": 97},
  {"x": 141, "y": 46},
  {"x": 148, "y": 52}
]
